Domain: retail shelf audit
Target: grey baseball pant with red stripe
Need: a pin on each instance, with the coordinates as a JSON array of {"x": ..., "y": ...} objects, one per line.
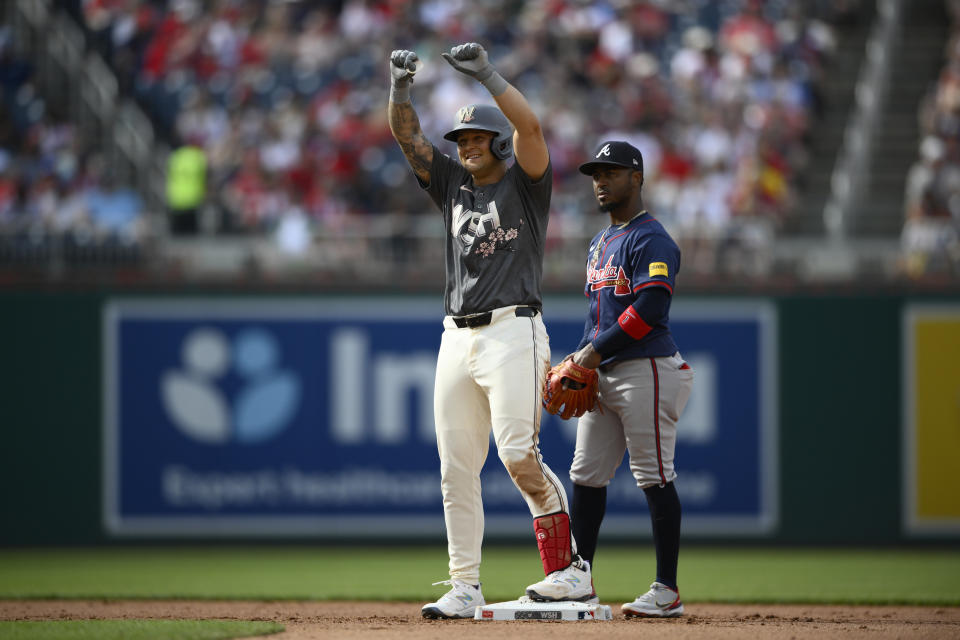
[{"x": 642, "y": 399}]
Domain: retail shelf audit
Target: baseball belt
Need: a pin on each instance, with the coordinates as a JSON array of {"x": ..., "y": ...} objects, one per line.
[{"x": 475, "y": 320}]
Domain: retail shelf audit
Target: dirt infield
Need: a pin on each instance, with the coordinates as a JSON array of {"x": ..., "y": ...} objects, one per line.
[{"x": 379, "y": 620}]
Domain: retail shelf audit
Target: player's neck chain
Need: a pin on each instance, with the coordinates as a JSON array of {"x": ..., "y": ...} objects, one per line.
[{"x": 620, "y": 225}]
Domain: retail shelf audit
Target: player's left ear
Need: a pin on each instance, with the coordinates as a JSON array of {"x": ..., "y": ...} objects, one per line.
[{"x": 637, "y": 178}]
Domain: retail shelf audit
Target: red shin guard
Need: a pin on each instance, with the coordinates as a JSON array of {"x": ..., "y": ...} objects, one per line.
[{"x": 553, "y": 539}]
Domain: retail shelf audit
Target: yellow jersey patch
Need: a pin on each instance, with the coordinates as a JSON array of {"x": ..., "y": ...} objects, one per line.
[{"x": 658, "y": 269}]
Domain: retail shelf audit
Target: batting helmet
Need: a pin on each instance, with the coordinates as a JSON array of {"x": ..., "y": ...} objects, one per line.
[{"x": 485, "y": 118}]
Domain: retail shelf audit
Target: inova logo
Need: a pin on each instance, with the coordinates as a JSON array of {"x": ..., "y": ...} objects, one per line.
[{"x": 260, "y": 409}]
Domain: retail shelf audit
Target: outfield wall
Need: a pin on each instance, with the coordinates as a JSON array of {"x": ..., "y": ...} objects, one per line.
[{"x": 159, "y": 417}]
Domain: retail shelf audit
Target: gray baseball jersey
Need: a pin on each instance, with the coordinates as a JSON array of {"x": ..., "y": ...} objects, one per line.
[{"x": 495, "y": 236}]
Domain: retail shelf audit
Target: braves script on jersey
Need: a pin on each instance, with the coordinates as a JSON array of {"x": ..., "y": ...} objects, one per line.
[
  {"x": 623, "y": 260},
  {"x": 495, "y": 236}
]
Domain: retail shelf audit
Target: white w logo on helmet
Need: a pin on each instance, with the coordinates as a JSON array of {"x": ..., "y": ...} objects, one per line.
[
  {"x": 605, "y": 151},
  {"x": 466, "y": 113}
]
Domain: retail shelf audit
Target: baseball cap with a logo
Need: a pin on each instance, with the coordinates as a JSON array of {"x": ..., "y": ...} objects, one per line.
[{"x": 615, "y": 152}]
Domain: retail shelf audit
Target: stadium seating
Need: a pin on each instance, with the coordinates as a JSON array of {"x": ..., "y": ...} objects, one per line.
[{"x": 287, "y": 100}]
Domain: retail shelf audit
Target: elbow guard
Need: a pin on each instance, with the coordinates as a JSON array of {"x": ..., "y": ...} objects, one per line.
[{"x": 632, "y": 324}]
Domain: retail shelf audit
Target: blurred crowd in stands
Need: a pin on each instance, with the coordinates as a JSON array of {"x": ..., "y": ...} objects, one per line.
[
  {"x": 56, "y": 192},
  {"x": 276, "y": 109},
  {"x": 930, "y": 240}
]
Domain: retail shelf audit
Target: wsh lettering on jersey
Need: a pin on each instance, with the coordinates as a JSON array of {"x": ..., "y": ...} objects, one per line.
[
  {"x": 468, "y": 224},
  {"x": 470, "y": 227}
]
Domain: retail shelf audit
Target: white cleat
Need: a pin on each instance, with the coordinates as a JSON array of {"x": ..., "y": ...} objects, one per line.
[
  {"x": 572, "y": 583},
  {"x": 660, "y": 602},
  {"x": 460, "y": 602}
]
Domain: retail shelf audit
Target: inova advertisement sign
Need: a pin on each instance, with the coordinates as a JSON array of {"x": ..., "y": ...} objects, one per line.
[{"x": 292, "y": 417}]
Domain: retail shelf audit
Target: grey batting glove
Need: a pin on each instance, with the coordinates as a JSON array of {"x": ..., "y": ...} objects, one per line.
[
  {"x": 403, "y": 65},
  {"x": 471, "y": 59}
]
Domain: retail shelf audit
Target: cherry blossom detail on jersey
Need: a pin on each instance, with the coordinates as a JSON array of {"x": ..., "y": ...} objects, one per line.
[{"x": 498, "y": 239}]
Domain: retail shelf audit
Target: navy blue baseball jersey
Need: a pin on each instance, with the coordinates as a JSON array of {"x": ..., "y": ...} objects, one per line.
[{"x": 623, "y": 261}]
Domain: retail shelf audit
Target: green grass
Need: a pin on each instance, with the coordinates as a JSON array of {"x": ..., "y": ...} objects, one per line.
[
  {"x": 707, "y": 574},
  {"x": 135, "y": 629}
]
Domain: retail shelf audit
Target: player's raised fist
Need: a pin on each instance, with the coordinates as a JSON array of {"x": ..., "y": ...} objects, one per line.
[
  {"x": 403, "y": 65},
  {"x": 471, "y": 59}
]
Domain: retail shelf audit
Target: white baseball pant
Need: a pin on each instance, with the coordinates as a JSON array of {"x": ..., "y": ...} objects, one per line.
[{"x": 490, "y": 377}]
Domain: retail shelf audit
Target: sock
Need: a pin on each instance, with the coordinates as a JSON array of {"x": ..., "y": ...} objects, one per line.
[
  {"x": 665, "y": 517},
  {"x": 587, "y": 509}
]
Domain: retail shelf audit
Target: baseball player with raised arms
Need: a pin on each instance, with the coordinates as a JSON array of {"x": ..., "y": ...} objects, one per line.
[
  {"x": 494, "y": 351},
  {"x": 644, "y": 383}
]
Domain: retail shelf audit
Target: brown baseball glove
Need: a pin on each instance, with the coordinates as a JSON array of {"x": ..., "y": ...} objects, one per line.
[{"x": 572, "y": 388}]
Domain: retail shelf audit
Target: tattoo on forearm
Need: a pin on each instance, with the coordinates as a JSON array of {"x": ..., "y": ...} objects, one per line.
[
  {"x": 406, "y": 129},
  {"x": 402, "y": 118}
]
